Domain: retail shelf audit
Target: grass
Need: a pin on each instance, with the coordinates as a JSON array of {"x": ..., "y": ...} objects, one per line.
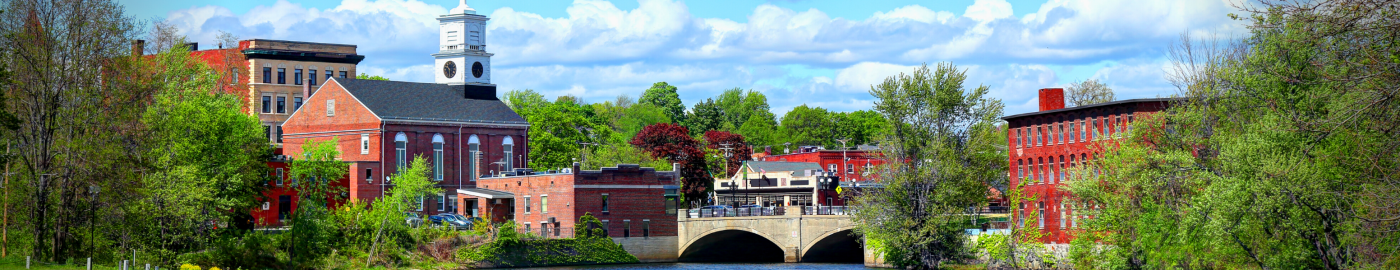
[{"x": 17, "y": 262}]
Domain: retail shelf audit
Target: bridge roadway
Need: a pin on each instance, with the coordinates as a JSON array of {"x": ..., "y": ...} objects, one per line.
[{"x": 793, "y": 237}]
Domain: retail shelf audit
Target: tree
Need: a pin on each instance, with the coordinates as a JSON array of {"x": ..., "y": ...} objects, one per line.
[
  {"x": 664, "y": 96},
  {"x": 410, "y": 185},
  {"x": 761, "y": 130},
  {"x": 673, "y": 142},
  {"x": 557, "y": 130},
  {"x": 205, "y": 155},
  {"x": 741, "y": 151},
  {"x": 522, "y": 101},
  {"x": 809, "y": 126},
  {"x": 1281, "y": 155},
  {"x": 364, "y": 76},
  {"x": 1087, "y": 92},
  {"x": 313, "y": 175},
  {"x": 705, "y": 116},
  {"x": 70, "y": 88},
  {"x": 637, "y": 117},
  {"x": 944, "y": 149}
]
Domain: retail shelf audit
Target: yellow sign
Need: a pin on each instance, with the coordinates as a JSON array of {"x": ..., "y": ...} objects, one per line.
[{"x": 838, "y": 189}]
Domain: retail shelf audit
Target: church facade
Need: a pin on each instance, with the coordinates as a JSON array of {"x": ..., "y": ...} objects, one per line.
[{"x": 457, "y": 123}]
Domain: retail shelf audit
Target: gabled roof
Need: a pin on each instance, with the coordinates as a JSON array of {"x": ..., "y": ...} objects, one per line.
[
  {"x": 431, "y": 102},
  {"x": 797, "y": 168}
]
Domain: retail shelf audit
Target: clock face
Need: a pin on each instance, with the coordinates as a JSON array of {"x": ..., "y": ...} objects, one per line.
[
  {"x": 449, "y": 69},
  {"x": 477, "y": 69}
]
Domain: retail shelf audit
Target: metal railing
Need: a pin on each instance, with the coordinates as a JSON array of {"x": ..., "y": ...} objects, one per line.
[
  {"x": 545, "y": 232},
  {"x": 737, "y": 212},
  {"x": 825, "y": 210}
]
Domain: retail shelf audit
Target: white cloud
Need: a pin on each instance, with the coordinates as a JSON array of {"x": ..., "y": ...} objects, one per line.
[{"x": 601, "y": 51}]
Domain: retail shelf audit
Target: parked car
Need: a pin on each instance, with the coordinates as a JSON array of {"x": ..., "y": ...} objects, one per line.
[
  {"x": 450, "y": 221},
  {"x": 471, "y": 221},
  {"x": 413, "y": 219}
]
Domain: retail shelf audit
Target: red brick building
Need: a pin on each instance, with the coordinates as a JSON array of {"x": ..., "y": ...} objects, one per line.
[
  {"x": 631, "y": 201},
  {"x": 464, "y": 131},
  {"x": 859, "y": 164},
  {"x": 1046, "y": 144}
]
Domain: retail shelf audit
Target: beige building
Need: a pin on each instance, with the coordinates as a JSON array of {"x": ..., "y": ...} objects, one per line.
[
  {"x": 284, "y": 73},
  {"x": 771, "y": 183}
]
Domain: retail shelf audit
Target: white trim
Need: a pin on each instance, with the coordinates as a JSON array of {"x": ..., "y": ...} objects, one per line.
[
  {"x": 484, "y": 195},
  {"x": 342, "y": 89},
  {"x": 619, "y": 186}
]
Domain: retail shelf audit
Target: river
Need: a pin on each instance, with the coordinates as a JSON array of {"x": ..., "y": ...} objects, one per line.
[{"x": 717, "y": 266}]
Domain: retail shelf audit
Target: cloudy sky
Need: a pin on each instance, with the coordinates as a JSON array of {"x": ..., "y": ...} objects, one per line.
[{"x": 819, "y": 53}]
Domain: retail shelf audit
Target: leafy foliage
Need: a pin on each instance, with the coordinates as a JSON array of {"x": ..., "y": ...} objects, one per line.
[
  {"x": 664, "y": 96},
  {"x": 944, "y": 149},
  {"x": 363, "y": 76},
  {"x": 673, "y": 143},
  {"x": 741, "y": 150},
  {"x": 1087, "y": 92}
]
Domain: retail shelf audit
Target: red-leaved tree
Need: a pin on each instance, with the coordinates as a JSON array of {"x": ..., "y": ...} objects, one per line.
[
  {"x": 673, "y": 142},
  {"x": 741, "y": 150}
]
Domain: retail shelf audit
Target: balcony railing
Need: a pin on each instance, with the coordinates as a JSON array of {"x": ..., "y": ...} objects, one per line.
[
  {"x": 737, "y": 212},
  {"x": 825, "y": 210}
]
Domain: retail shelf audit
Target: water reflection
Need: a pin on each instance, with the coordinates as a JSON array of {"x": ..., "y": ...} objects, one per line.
[{"x": 714, "y": 266}]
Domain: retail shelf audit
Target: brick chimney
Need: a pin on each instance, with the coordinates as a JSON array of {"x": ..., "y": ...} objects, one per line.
[
  {"x": 138, "y": 47},
  {"x": 1052, "y": 99}
]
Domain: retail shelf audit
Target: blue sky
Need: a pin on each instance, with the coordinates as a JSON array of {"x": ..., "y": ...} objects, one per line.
[{"x": 819, "y": 53}]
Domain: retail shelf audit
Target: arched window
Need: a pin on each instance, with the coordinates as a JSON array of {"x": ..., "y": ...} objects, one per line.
[
  {"x": 508, "y": 147},
  {"x": 1071, "y": 131},
  {"x": 400, "y": 151},
  {"x": 437, "y": 156},
  {"x": 1020, "y": 169},
  {"x": 1040, "y": 170},
  {"x": 1018, "y": 137},
  {"x": 1061, "y": 168},
  {"x": 1036, "y": 134},
  {"x": 474, "y": 151}
]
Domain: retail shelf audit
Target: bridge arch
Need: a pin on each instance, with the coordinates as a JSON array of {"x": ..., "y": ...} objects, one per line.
[
  {"x": 732, "y": 245},
  {"x": 838, "y": 245}
]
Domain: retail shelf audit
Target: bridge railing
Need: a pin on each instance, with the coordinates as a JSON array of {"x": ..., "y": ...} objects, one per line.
[
  {"x": 825, "y": 210},
  {"x": 737, "y": 212}
]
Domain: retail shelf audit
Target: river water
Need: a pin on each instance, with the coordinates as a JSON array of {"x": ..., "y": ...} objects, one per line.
[{"x": 717, "y": 266}]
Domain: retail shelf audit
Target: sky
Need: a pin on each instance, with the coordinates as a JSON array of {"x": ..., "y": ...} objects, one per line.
[{"x": 819, "y": 53}]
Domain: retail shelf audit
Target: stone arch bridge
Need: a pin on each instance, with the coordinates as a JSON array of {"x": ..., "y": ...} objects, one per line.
[{"x": 788, "y": 236}]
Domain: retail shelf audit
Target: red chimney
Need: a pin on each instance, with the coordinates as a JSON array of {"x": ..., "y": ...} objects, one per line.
[{"x": 1052, "y": 99}]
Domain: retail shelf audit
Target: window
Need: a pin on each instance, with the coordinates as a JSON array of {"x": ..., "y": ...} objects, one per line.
[
  {"x": 279, "y": 134},
  {"x": 296, "y": 103},
  {"x": 1061, "y": 168},
  {"x": 330, "y": 107},
  {"x": 279, "y": 176},
  {"x": 267, "y": 74},
  {"x": 646, "y": 227},
  {"x": 527, "y": 226},
  {"x": 281, "y": 104},
  {"x": 1021, "y": 168},
  {"x": 364, "y": 144},
  {"x": 1128, "y": 125},
  {"x": 267, "y": 104},
  {"x": 1046, "y": 133},
  {"x": 831, "y": 167},
  {"x": 605, "y": 227},
  {"x": 329, "y": 74},
  {"x": 294, "y": 179},
  {"x": 313, "y": 77},
  {"x": 437, "y": 157},
  {"x": 1060, "y": 131},
  {"x": 507, "y": 146},
  {"x": 420, "y": 203},
  {"x": 1071, "y": 132},
  {"x": 1018, "y": 137},
  {"x": 544, "y": 203},
  {"x": 527, "y": 204},
  {"x": 1040, "y": 215},
  {"x": 342, "y": 74},
  {"x": 369, "y": 175},
  {"x": 605, "y": 202},
  {"x": 281, "y": 76},
  {"x": 1062, "y": 214},
  {"x": 626, "y": 228},
  {"x": 297, "y": 76},
  {"x": 1094, "y": 129},
  {"x": 474, "y": 150},
  {"x": 441, "y": 202},
  {"x": 267, "y": 132},
  {"x": 1081, "y": 131},
  {"x": 849, "y": 169},
  {"x": 1035, "y": 133},
  {"x": 400, "y": 151}
]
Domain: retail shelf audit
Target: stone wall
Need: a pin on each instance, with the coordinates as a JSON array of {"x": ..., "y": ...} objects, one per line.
[{"x": 650, "y": 249}]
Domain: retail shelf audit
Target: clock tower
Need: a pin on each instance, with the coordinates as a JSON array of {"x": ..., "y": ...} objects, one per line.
[{"x": 462, "y": 57}]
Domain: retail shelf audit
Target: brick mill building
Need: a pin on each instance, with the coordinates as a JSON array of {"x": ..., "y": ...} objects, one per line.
[
  {"x": 851, "y": 165},
  {"x": 1045, "y": 145}
]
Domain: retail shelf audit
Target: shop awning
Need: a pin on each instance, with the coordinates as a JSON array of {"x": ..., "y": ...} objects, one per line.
[{"x": 485, "y": 193}]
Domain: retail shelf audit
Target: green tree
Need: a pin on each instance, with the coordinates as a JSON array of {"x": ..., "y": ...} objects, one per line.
[
  {"x": 761, "y": 130},
  {"x": 363, "y": 76},
  {"x": 1088, "y": 92},
  {"x": 705, "y": 116},
  {"x": 943, "y": 151},
  {"x": 313, "y": 174},
  {"x": 810, "y": 126},
  {"x": 861, "y": 127},
  {"x": 637, "y": 117},
  {"x": 410, "y": 185},
  {"x": 664, "y": 96},
  {"x": 523, "y": 101},
  {"x": 557, "y": 130}
]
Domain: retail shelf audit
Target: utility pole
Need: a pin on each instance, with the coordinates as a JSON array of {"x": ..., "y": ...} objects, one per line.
[
  {"x": 844, "y": 160},
  {"x": 583, "y": 151}
]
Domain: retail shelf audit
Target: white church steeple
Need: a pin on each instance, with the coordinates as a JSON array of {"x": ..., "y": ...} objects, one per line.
[{"x": 462, "y": 56}]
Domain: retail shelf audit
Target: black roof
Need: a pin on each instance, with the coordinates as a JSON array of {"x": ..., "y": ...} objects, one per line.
[
  {"x": 1110, "y": 103},
  {"x": 393, "y": 100}
]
